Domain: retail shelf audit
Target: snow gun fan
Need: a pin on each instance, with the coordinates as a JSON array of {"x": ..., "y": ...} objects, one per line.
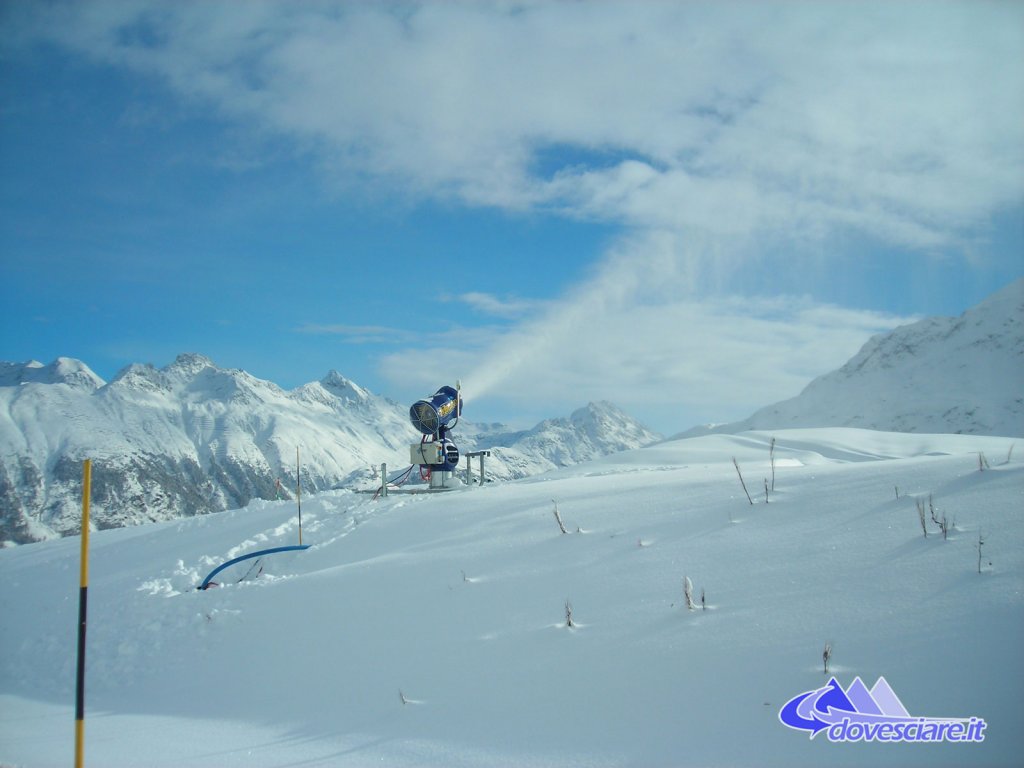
[{"x": 436, "y": 454}]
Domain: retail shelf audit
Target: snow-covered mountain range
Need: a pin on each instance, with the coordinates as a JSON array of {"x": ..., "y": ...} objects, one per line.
[
  {"x": 192, "y": 438},
  {"x": 941, "y": 375}
]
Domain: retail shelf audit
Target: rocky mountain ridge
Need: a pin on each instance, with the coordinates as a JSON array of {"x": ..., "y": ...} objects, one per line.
[{"x": 191, "y": 438}]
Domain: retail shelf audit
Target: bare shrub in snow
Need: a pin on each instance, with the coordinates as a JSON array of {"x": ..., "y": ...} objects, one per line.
[
  {"x": 921, "y": 517},
  {"x": 558, "y": 518},
  {"x": 944, "y": 523},
  {"x": 736, "y": 464},
  {"x": 688, "y": 592}
]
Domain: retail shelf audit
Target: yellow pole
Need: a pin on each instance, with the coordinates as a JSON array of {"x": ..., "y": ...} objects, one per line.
[
  {"x": 298, "y": 492},
  {"x": 83, "y": 595}
]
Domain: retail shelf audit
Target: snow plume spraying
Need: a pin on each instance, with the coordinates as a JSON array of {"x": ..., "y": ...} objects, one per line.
[
  {"x": 656, "y": 331},
  {"x": 635, "y": 273}
]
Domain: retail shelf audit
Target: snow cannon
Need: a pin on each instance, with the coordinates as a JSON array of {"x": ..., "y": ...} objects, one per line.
[
  {"x": 436, "y": 454},
  {"x": 432, "y": 416}
]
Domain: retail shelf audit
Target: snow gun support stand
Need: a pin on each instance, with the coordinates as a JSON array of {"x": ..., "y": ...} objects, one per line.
[
  {"x": 436, "y": 453},
  {"x": 469, "y": 466}
]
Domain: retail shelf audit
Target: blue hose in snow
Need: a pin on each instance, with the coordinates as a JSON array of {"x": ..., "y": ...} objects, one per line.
[{"x": 222, "y": 566}]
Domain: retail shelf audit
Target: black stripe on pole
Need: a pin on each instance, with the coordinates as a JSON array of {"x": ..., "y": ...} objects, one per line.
[{"x": 83, "y": 599}]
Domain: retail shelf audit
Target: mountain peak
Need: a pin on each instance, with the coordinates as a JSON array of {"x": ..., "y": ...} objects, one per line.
[
  {"x": 141, "y": 376},
  {"x": 63, "y": 370},
  {"x": 937, "y": 375},
  {"x": 189, "y": 364},
  {"x": 600, "y": 409},
  {"x": 339, "y": 386},
  {"x": 596, "y": 429},
  {"x": 1008, "y": 300}
]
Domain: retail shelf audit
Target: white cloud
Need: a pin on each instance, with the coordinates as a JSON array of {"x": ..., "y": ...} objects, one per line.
[
  {"x": 904, "y": 119},
  {"x": 507, "y": 307},
  {"x": 708, "y": 130},
  {"x": 360, "y": 334}
]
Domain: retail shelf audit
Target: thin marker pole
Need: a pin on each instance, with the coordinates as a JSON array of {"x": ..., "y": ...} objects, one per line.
[
  {"x": 298, "y": 492},
  {"x": 83, "y": 599}
]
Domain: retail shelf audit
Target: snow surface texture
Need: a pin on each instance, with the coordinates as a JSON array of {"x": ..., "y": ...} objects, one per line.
[
  {"x": 942, "y": 374},
  {"x": 193, "y": 438},
  {"x": 430, "y": 629}
]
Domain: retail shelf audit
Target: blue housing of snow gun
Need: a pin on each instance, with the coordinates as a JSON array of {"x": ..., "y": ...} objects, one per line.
[{"x": 432, "y": 415}]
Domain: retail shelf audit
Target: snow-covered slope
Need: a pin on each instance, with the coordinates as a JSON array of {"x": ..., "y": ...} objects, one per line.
[
  {"x": 431, "y": 630},
  {"x": 192, "y": 438},
  {"x": 956, "y": 375}
]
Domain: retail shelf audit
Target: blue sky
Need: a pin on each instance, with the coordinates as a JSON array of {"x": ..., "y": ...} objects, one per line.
[{"x": 657, "y": 204}]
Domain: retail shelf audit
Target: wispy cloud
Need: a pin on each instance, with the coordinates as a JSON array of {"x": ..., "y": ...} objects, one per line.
[
  {"x": 506, "y": 307},
  {"x": 360, "y": 334},
  {"x": 476, "y": 338}
]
